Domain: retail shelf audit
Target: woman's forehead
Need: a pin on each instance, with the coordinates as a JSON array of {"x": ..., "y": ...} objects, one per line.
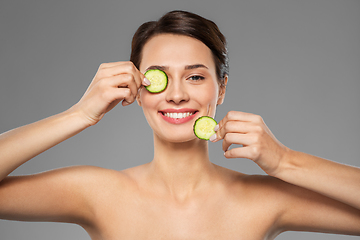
[{"x": 178, "y": 51}]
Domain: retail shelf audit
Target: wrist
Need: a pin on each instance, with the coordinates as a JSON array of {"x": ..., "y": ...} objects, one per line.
[
  {"x": 287, "y": 163},
  {"x": 79, "y": 116}
]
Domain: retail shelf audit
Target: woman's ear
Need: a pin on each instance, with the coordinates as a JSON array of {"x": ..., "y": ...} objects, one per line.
[{"x": 222, "y": 90}]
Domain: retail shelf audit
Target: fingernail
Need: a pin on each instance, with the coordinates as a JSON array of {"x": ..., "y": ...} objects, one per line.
[
  {"x": 146, "y": 82},
  {"x": 216, "y": 128},
  {"x": 213, "y": 137}
]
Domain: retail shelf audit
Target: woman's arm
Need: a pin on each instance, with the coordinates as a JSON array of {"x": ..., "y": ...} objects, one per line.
[
  {"x": 338, "y": 181},
  {"x": 21, "y": 144},
  {"x": 325, "y": 194},
  {"x": 113, "y": 83},
  {"x": 61, "y": 190}
]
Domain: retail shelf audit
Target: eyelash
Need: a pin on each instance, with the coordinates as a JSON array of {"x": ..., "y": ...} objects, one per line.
[{"x": 199, "y": 78}]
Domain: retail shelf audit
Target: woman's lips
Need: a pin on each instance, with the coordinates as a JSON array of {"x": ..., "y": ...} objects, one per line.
[{"x": 178, "y": 116}]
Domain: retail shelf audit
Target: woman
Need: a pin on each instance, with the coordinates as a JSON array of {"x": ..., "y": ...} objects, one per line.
[{"x": 180, "y": 194}]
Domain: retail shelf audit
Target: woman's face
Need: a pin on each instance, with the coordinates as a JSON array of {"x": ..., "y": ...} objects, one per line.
[{"x": 192, "y": 90}]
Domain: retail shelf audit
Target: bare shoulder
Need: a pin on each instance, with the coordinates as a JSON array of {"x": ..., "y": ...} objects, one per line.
[
  {"x": 98, "y": 177},
  {"x": 253, "y": 182},
  {"x": 89, "y": 174},
  {"x": 256, "y": 197},
  {"x": 284, "y": 206},
  {"x": 260, "y": 189},
  {"x": 102, "y": 183},
  {"x": 68, "y": 194},
  {"x": 87, "y": 180},
  {"x": 72, "y": 176}
]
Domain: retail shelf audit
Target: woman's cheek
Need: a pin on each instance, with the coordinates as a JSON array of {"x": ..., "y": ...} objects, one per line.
[
  {"x": 208, "y": 97},
  {"x": 148, "y": 102}
]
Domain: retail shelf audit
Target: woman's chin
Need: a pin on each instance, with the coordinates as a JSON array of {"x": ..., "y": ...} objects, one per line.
[{"x": 178, "y": 138}]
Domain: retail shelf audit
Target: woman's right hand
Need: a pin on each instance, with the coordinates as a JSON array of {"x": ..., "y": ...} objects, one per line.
[{"x": 113, "y": 82}]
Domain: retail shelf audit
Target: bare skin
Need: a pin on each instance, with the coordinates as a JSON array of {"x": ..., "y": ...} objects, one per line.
[{"x": 180, "y": 194}]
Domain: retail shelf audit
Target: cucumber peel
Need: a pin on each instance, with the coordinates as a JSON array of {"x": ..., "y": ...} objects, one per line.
[
  {"x": 204, "y": 127},
  {"x": 158, "y": 80}
]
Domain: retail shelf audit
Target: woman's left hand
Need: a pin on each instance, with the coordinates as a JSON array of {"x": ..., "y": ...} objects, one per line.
[{"x": 258, "y": 143}]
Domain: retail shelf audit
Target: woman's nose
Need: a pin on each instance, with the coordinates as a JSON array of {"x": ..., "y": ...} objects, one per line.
[{"x": 176, "y": 92}]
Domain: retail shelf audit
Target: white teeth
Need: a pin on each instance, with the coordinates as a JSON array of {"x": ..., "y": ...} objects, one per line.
[{"x": 178, "y": 115}]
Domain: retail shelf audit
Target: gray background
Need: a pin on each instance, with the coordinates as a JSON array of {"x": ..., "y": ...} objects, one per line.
[{"x": 296, "y": 63}]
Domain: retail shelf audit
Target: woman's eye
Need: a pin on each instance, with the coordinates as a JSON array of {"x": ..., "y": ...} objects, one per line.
[{"x": 196, "y": 78}]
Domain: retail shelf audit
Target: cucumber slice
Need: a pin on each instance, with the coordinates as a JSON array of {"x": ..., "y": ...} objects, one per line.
[
  {"x": 204, "y": 127},
  {"x": 158, "y": 80}
]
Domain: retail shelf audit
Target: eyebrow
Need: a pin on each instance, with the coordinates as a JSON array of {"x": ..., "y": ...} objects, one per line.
[
  {"x": 187, "y": 67},
  {"x": 162, "y": 68}
]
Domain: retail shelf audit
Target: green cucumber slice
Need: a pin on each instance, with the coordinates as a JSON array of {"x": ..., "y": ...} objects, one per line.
[
  {"x": 158, "y": 80},
  {"x": 204, "y": 127}
]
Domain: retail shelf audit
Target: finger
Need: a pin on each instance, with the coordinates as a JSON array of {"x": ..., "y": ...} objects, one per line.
[
  {"x": 239, "y": 116},
  {"x": 129, "y": 97},
  {"x": 234, "y": 126},
  {"x": 236, "y": 138},
  {"x": 128, "y": 81},
  {"x": 145, "y": 82},
  {"x": 123, "y": 94},
  {"x": 118, "y": 94},
  {"x": 113, "y": 96},
  {"x": 123, "y": 81},
  {"x": 113, "y": 69},
  {"x": 231, "y": 127},
  {"x": 236, "y": 116},
  {"x": 140, "y": 78},
  {"x": 110, "y": 64},
  {"x": 113, "y": 104},
  {"x": 240, "y": 152},
  {"x": 109, "y": 70},
  {"x": 125, "y": 103}
]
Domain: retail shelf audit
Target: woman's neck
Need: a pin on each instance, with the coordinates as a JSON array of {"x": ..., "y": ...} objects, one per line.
[{"x": 181, "y": 168}]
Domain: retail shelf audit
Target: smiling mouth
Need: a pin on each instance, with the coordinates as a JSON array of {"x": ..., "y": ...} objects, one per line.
[{"x": 177, "y": 115}]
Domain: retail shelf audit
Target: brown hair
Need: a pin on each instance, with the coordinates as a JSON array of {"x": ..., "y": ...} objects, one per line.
[{"x": 188, "y": 24}]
